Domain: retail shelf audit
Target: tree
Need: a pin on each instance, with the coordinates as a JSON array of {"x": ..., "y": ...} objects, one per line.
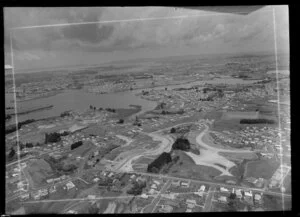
[
  {"x": 173, "y": 130},
  {"x": 181, "y": 144},
  {"x": 12, "y": 152},
  {"x": 121, "y": 121}
]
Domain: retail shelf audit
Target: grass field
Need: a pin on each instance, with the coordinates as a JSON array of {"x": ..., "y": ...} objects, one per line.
[
  {"x": 262, "y": 168},
  {"x": 39, "y": 171},
  {"x": 186, "y": 168},
  {"x": 83, "y": 149},
  {"x": 239, "y": 156},
  {"x": 221, "y": 125}
]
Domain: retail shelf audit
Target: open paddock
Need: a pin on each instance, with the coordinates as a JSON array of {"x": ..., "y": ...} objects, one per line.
[
  {"x": 261, "y": 168},
  {"x": 238, "y": 156}
]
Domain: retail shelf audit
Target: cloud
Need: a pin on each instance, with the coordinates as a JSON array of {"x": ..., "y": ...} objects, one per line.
[{"x": 204, "y": 33}]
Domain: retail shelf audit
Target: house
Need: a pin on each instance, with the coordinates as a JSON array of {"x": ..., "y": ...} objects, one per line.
[
  {"x": 70, "y": 185},
  {"x": 96, "y": 179},
  {"x": 166, "y": 208},
  {"x": 152, "y": 191},
  {"x": 171, "y": 196},
  {"x": 191, "y": 206},
  {"x": 238, "y": 193},
  {"x": 248, "y": 197},
  {"x": 222, "y": 199},
  {"x": 258, "y": 198},
  {"x": 154, "y": 186},
  {"x": 52, "y": 189},
  {"x": 43, "y": 192},
  {"x": 224, "y": 190},
  {"x": 199, "y": 193},
  {"x": 20, "y": 184},
  {"x": 145, "y": 196},
  {"x": 191, "y": 201},
  {"x": 24, "y": 196},
  {"x": 91, "y": 197},
  {"x": 36, "y": 195},
  {"x": 49, "y": 180},
  {"x": 202, "y": 188},
  {"x": 72, "y": 212},
  {"x": 188, "y": 210},
  {"x": 185, "y": 184},
  {"x": 156, "y": 182}
]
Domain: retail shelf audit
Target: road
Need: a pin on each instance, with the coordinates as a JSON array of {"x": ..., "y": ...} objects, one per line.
[
  {"x": 208, "y": 200},
  {"x": 162, "y": 191},
  {"x": 213, "y": 184}
]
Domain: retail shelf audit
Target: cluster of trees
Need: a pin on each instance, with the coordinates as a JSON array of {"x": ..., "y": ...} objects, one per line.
[
  {"x": 12, "y": 128},
  {"x": 54, "y": 137},
  {"x": 181, "y": 144},
  {"x": 11, "y": 153},
  {"x": 7, "y": 117},
  {"x": 137, "y": 188},
  {"x": 111, "y": 110},
  {"x": 160, "y": 106},
  {"x": 59, "y": 167},
  {"x": 145, "y": 92},
  {"x": 158, "y": 163},
  {"x": 100, "y": 109},
  {"x": 76, "y": 145},
  {"x": 256, "y": 121},
  {"x": 180, "y": 112},
  {"x": 66, "y": 113},
  {"x": 121, "y": 121}
]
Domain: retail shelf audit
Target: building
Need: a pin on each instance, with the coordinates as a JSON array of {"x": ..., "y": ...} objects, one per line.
[
  {"x": 52, "y": 189},
  {"x": 43, "y": 192},
  {"x": 185, "y": 184},
  {"x": 156, "y": 182},
  {"x": 166, "y": 208},
  {"x": 238, "y": 193},
  {"x": 24, "y": 196},
  {"x": 199, "y": 193},
  {"x": 36, "y": 195},
  {"x": 191, "y": 201},
  {"x": 222, "y": 199},
  {"x": 258, "y": 198},
  {"x": 145, "y": 196},
  {"x": 96, "y": 179},
  {"x": 91, "y": 197},
  {"x": 72, "y": 212},
  {"x": 49, "y": 180},
  {"x": 224, "y": 190},
  {"x": 153, "y": 186},
  {"x": 70, "y": 185},
  {"x": 202, "y": 188},
  {"x": 248, "y": 197}
]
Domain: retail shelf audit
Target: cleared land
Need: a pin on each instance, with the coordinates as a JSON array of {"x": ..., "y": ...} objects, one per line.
[{"x": 262, "y": 168}]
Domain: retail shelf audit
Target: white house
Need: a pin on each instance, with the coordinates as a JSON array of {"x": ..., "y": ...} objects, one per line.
[
  {"x": 222, "y": 199},
  {"x": 202, "y": 188},
  {"x": 70, "y": 185},
  {"x": 222, "y": 189}
]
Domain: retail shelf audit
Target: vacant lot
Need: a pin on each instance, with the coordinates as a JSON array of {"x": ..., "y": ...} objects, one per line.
[
  {"x": 83, "y": 149},
  {"x": 239, "y": 156},
  {"x": 186, "y": 168},
  {"x": 262, "y": 168},
  {"x": 39, "y": 171}
]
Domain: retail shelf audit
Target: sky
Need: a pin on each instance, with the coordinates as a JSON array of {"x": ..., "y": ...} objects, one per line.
[{"x": 193, "y": 32}]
